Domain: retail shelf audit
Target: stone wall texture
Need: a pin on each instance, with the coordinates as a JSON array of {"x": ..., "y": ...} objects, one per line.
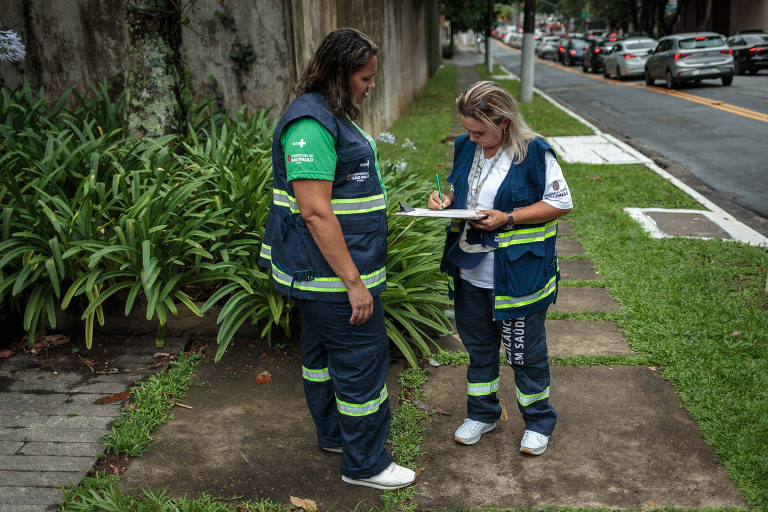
[{"x": 80, "y": 42}]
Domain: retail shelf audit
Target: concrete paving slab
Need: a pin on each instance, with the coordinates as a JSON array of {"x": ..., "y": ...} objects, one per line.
[
  {"x": 585, "y": 338},
  {"x": 37, "y": 479},
  {"x": 575, "y": 299},
  {"x": 107, "y": 410},
  {"x": 56, "y": 435},
  {"x": 622, "y": 441},
  {"x": 569, "y": 247},
  {"x": 40, "y": 497},
  {"x": 596, "y": 149},
  {"x": 27, "y": 508},
  {"x": 45, "y": 463},
  {"x": 248, "y": 440},
  {"x": 10, "y": 447},
  {"x": 578, "y": 270},
  {"x": 56, "y": 449},
  {"x": 564, "y": 228}
]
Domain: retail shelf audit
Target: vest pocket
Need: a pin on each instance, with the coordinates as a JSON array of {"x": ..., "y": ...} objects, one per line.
[{"x": 522, "y": 270}]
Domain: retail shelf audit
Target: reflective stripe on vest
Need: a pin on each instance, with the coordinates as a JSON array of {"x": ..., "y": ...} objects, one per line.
[
  {"x": 450, "y": 283},
  {"x": 482, "y": 388},
  {"x": 321, "y": 375},
  {"x": 526, "y": 400},
  {"x": 455, "y": 226},
  {"x": 339, "y": 206},
  {"x": 266, "y": 252},
  {"x": 528, "y": 235},
  {"x": 326, "y": 284},
  {"x": 502, "y": 302},
  {"x": 362, "y": 409}
]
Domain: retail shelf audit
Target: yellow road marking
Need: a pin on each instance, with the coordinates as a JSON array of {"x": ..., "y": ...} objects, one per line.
[{"x": 726, "y": 107}]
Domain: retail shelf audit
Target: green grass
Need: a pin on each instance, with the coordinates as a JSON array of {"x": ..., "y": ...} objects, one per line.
[
  {"x": 152, "y": 399},
  {"x": 696, "y": 307}
]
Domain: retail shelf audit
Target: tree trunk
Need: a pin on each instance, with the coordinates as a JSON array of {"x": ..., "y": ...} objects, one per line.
[{"x": 153, "y": 69}]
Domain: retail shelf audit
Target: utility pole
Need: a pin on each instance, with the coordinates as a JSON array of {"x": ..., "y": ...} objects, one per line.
[
  {"x": 526, "y": 59},
  {"x": 488, "y": 18}
]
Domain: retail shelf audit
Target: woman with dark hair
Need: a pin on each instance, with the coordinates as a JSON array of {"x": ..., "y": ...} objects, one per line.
[
  {"x": 325, "y": 243},
  {"x": 502, "y": 269}
]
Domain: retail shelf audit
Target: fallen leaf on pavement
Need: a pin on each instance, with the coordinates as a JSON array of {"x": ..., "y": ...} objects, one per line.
[
  {"x": 113, "y": 398},
  {"x": 305, "y": 504},
  {"x": 263, "y": 377},
  {"x": 5, "y": 353}
]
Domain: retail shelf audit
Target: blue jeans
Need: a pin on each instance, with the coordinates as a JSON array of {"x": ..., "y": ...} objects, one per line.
[
  {"x": 345, "y": 368},
  {"x": 525, "y": 344}
]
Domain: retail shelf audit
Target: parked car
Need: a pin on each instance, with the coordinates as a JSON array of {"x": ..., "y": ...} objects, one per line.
[
  {"x": 596, "y": 33},
  {"x": 574, "y": 51},
  {"x": 692, "y": 56},
  {"x": 547, "y": 47},
  {"x": 750, "y": 51},
  {"x": 594, "y": 55},
  {"x": 561, "y": 48},
  {"x": 627, "y": 58}
]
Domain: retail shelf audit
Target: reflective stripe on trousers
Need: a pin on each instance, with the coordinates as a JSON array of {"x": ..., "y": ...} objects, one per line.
[{"x": 362, "y": 409}]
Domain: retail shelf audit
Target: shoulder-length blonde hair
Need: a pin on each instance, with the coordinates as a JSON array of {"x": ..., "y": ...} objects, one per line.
[
  {"x": 490, "y": 103},
  {"x": 341, "y": 53}
]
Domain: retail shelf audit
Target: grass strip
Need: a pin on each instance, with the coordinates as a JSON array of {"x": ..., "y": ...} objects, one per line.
[{"x": 152, "y": 399}]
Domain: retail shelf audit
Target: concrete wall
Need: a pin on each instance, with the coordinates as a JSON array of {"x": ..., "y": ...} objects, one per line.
[
  {"x": 79, "y": 42},
  {"x": 748, "y": 14}
]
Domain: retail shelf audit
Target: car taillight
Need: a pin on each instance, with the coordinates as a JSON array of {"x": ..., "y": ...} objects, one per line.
[
  {"x": 573, "y": 52},
  {"x": 701, "y": 38},
  {"x": 756, "y": 49},
  {"x": 727, "y": 52},
  {"x": 629, "y": 56},
  {"x": 679, "y": 56},
  {"x": 561, "y": 49},
  {"x": 596, "y": 50}
]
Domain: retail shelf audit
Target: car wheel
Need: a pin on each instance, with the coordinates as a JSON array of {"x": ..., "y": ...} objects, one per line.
[
  {"x": 618, "y": 73},
  {"x": 752, "y": 71},
  {"x": 737, "y": 68},
  {"x": 648, "y": 79},
  {"x": 670, "y": 82},
  {"x": 727, "y": 80},
  {"x": 606, "y": 74}
]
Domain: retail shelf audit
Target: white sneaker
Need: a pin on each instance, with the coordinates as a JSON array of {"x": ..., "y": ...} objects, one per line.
[
  {"x": 333, "y": 449},
  {"x": 470, "y": 431},
  {"x": 533, "y": 443},
  {"x": 394, "y": 477}
]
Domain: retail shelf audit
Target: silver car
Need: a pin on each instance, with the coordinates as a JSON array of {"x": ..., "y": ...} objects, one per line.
[
  {"x": 627, "y": 58},
  {"x": 546, "y": 48},
  {"x": 690, "y": 57}
]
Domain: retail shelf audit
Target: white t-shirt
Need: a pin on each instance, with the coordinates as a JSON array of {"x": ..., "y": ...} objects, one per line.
[{"x": 556, "y": 193}]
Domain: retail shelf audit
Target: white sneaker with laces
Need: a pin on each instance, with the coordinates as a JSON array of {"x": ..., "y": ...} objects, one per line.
[
  {"x": 394, "y": 477},
  {"x": 470, "y": 431},
  {"x": 533, "y": 443}
]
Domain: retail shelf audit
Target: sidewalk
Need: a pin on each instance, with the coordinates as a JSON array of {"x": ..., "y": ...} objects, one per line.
[{"x": 623, "y": 439}]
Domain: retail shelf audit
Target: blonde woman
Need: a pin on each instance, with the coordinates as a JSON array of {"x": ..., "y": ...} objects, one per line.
[{"x": 503, "y": 269}]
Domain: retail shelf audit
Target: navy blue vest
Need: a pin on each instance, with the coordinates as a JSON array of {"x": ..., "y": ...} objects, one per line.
[
  {"x": 525, "y": 264},
  {"x": 298, "y": 267}
]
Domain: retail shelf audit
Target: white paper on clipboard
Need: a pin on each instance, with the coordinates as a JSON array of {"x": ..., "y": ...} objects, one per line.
[{"x": 451, "y": 213}]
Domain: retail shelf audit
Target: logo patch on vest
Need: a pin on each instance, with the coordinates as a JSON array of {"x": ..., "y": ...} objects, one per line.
[
  {"x": 359, "y": 176},
  {"x": 300, "y": 158}
]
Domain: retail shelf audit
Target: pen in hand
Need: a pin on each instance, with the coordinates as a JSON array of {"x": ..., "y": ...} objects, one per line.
[{"x": 439, "y": 193}]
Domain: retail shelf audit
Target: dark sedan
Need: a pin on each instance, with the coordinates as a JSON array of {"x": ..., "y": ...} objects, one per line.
[
  {"x": 594, "y": 55},
  {"x": 750, "y": 51},
  {"x": 574, "y": 51}
]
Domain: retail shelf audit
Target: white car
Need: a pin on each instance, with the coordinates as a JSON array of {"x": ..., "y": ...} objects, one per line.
[{"x": 627, "y": 58}]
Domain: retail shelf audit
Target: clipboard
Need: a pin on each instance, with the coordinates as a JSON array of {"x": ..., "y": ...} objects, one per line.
[{"x": 451, "y": 213}]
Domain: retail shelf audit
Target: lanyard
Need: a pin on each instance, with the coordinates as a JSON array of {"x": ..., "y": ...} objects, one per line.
[{"x": 476, "y": 177}]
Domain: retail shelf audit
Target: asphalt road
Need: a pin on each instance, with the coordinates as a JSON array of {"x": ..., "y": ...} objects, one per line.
[{"x": 719, "y": 150}]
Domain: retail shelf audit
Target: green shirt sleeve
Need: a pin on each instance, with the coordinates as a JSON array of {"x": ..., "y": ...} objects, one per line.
[{"x": 310, "y": 150}]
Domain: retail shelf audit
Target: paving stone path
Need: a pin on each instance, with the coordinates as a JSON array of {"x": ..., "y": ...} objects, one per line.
[{"x": 51, "y": 426}]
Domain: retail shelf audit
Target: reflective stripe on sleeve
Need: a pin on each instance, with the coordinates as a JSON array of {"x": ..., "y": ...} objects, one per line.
[
  {"x": 327, "y": 284},
  {"x": 450, "y": 284},
  {"x": 321, "y": 375},
  {"x": 369, "y": 407},
  {"x": 266, "y": 252},
  {"x": 505, "y": 302},
  {"x": 528, "y": 235},
  {"x": 339, "y": 206},
  {"x": 482, "y": 388},
  {"x": 526, "y": 400}
]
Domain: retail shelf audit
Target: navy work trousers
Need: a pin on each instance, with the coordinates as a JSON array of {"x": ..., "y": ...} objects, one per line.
[
  {"x": 525, "y": 344},
  {"x": 344, "y": 368}
]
